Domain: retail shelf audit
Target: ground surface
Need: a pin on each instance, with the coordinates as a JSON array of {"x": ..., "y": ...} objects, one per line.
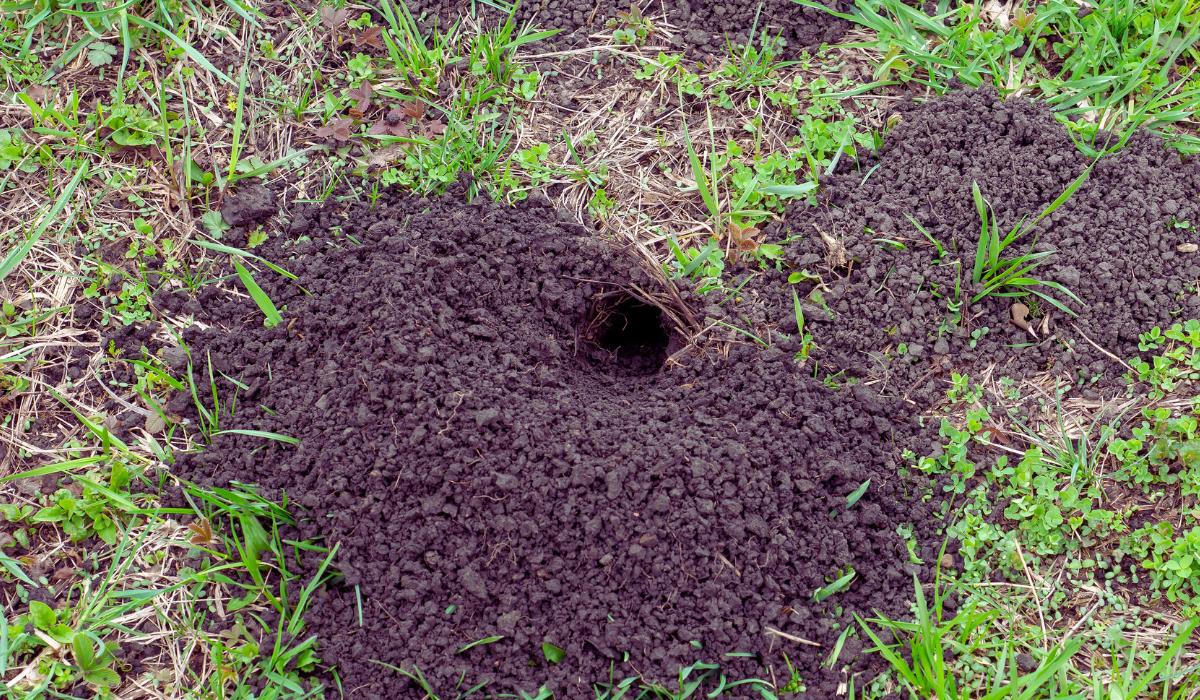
[{"x": 729, "y": 362}]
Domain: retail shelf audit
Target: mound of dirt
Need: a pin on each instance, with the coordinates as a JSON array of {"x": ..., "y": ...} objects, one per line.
[
  {"x": 703, "y": 26},
  {"x": 491, "y": 428},
  {"x": 1124, "y": 243}
]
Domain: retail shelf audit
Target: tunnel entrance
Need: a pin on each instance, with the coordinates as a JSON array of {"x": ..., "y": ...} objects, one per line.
[{"x": 625, "y": 336}]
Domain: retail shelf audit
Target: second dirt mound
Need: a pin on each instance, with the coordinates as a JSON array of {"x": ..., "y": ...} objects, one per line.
[
  {"x": 897, "y": 303},
  {"x": 704, "y": 26},
  {"x": 490, "y": 427}
]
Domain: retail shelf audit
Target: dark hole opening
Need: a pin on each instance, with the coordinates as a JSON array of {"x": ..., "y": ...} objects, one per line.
[{"x": 626, "y": 336}]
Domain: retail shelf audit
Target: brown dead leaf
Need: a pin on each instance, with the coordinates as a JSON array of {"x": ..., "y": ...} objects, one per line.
[
  {"x": 371, "y": 37},
  {"x": 64, "y": 573},
  {"x": 201, "y": 530},
  {"x": 384, "y": 128},
  {"x": 155, "y": 424},
  {"x": 336, "y": 129},
  {"x": 1020, "y": 318},
  {"x": 433, "y": 128},
  {"x": 334, "y": 19},
  {"x": 993, "y": 433},
  {"x": 413, "y": 110},
  {"x": 744, "y": 238},
  {"x": 362, "y": 99}
]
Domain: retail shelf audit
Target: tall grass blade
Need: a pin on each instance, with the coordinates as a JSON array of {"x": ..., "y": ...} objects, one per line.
[
  {"x": 261, "y": 434},
  {"x": 701, "y": 178},
  {"x": 184, "y": 46},
  {"x": 983, "y": 247}
]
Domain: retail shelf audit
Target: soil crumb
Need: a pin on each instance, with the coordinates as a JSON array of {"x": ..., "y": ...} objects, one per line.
[{"x": 491, "y": 428}]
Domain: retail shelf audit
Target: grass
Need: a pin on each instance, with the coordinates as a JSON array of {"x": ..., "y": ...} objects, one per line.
[
  {"x": 996, "y": 274},
  {"x": 1122, "y": 65},
  {"x": 129, "y": 598},
  {"x": 1055, "y": 513},
  {"x": 125, "y": 124}
]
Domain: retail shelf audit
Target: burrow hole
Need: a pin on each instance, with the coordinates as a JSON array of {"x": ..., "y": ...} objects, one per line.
[{"x": 625, "y": 336}]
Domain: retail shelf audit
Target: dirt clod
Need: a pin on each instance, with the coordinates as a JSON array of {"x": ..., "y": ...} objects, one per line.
[{"x": 250, "y": 205}]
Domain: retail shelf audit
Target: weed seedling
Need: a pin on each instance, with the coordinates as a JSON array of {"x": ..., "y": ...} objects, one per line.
[
  {"x": 839, "y": 584},
  {"x": 806, "y": 339},
  {"x": 996, "y": 273}
]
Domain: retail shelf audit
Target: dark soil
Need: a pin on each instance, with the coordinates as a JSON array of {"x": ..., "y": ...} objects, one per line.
[
  {"x": 1116, "y": 241},
  {"x": 492, "y": 429},
  {"x": 702, "y": 26}
]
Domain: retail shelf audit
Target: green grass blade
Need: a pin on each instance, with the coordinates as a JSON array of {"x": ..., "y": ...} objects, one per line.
[
  {"x": 184, "y": 46},
  {"x": 983, "y": 246},
  {"x": 837, "y": 586},
  {"x": 937, "y": 245},
  {"x": 1167, "y": 657},
  {"x": 479, "y": 642},
  {"x": 1062, "y": 198},
  {"x": 273, "y": 165},
  {"x": 798, "y": 310},
  {"x": 14, "y": 569},
  {"x": 238, "y": 252},
  {"x": 789, "y": 190},
  {"x": 258, "y": 295},
  {"x": 259, "y": 433},
  {"x": 235, "y": 148},
  {"x": 56, "y": 468},
  {"x": 701, "y": 178},
  {"x": 1054, "y": 302}
]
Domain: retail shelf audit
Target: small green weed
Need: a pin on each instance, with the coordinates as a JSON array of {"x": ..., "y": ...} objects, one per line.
[
  {"x": 841, "y": 581},
  {"x": 631, "y": 27},
  {"x": 1177, "y": 362},
  {"x": 702, "y": 265},
  {"x": 996, "y": 274},
  {"x": 1173, "y": 560}
]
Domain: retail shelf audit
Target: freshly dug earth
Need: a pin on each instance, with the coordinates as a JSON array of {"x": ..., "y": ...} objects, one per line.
[
  {"x": 703, "y": 26},
  {"x": 491, "y": 429},
  {"x": 1124, "y": 244}
]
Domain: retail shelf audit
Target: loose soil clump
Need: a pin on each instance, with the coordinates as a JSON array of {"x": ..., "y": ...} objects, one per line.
[
  {"x": 702, "y": 26},
  {"x": 1124, "y": 243},
  {"x": 496, "y": 425}
]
